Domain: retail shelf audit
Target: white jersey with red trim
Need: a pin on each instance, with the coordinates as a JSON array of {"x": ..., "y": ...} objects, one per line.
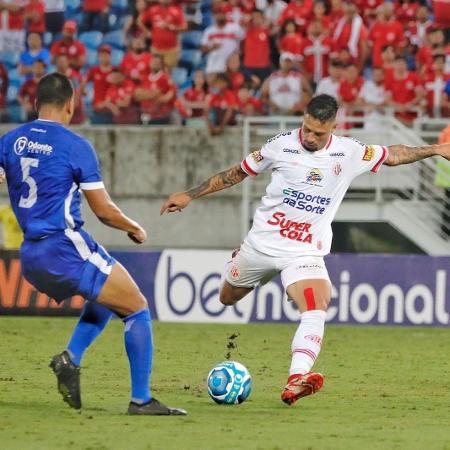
[{"x": 305, "y": 191}]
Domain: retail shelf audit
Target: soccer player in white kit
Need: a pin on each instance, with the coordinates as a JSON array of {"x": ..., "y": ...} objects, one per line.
[{"x": 311, "y": 171}]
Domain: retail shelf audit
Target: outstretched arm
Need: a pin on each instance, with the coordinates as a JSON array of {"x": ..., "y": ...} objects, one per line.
[
  {"x": 222, "y": 180},
  {"x": 404, "y": 154}
]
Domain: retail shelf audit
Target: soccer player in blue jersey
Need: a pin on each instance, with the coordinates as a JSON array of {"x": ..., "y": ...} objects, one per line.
[{"x": 46, "y": 167}]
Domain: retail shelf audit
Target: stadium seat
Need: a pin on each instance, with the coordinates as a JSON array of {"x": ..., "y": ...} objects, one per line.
[
  {"x": 15, "y": 78},
  {"x": 116, "y": 57},
  {"x": 47, "y": 39},
  {"x": 91, "y": 57},
  {"x": 12, "y": 94},
  {"x": 10, "y": 59},
  {"x": 191, "y": 59},
  {"x": 114, "y": 39},
  {"x": 91, "y": 39},
  {"x": 72, "y": 4},
  {"x": 191, "y": 39},
  {"x": 179, "y": 76}
]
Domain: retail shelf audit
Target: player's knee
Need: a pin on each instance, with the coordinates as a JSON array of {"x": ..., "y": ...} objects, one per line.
[
  {"x": 136, "y": 303},
  {"x": 227, "y": 298}
]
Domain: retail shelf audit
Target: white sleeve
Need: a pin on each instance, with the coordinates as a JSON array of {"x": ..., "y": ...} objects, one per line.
[
  {"x": 205, "y": 37},
  {"x": 259, "y": 161},
  {"x": 368, "y": 158}
]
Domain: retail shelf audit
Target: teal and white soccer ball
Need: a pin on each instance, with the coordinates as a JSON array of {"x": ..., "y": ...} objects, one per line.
[{"x": 229, "y": 383}]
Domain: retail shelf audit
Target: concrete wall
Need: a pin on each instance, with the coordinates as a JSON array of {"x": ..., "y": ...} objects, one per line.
[{"x": 142, "y": 166}]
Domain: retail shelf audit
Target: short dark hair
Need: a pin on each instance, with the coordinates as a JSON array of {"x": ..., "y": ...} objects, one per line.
[
  {"x": 323, "y": 107},
  {"x": 54, "y": 89}
]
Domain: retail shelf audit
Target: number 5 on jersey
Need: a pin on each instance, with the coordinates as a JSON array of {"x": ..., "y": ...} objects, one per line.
[{"x": 26, "y": 164}]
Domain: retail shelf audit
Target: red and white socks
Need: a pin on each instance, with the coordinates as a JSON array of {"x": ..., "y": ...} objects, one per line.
[{"x": 307, "y": 341}]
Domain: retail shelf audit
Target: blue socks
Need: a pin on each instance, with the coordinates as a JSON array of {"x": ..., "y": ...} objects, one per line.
[
  {"x": 139, "y": 346},
  {"x": 93, "y": 319}
]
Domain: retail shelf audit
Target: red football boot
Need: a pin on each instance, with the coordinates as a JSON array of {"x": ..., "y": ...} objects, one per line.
[{"x": 299, "y": 386}]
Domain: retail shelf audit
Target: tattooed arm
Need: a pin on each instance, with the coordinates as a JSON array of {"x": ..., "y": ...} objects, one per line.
[
  {"x": 404, "y": 154},
  {"x": 223, "y": 180}
]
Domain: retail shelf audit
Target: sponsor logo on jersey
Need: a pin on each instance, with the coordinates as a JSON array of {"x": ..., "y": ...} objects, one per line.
[
  {"x": 22, "y": 144},
  {"x": 369, "y": 153},
  {"x": 314, "y": 176},
  {"x": 290, "y": 229},
  {"x": 291, "y": 150},
  {"x": 338, "y": 154},
  {"x": 337, "y": 169},
  {"x": 287, "y": 133},
  {"x": 257, "y": 157},
  {"x": 305, "y": 202}
]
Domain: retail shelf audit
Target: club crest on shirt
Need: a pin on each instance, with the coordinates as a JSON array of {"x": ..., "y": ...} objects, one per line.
[
  {"x": 314, "y": 176},
  {"x": 369, "y": 153},
  {"x": 235, "y": 272},
  {"x": 337, "y": 169},
  {"x": 257, "y": 157}
]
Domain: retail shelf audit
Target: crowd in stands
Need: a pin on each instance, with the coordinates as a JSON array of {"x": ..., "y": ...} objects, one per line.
[{"x": 212, "y": 61}]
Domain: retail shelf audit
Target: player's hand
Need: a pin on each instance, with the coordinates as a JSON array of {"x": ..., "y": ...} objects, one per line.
[
  {"x": 139, "y": 236},
  {"x": 444, "y": 151},
  {"x": 176, "y": 202}
]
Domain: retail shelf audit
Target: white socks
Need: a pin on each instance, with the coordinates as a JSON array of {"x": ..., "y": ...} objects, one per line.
[{"x": 307, "y": 341}]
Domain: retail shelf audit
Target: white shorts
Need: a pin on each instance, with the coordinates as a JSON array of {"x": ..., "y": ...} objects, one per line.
[{"x": 250, "y": 268}]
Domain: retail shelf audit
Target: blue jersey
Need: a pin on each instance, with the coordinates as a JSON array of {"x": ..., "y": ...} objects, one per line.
[{"x": 46, "y": 165}]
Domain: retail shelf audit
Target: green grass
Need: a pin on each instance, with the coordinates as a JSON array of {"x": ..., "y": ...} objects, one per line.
[{"x": 386, "y": 388}]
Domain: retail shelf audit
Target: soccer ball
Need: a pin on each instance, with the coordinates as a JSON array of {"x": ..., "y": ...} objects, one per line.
[{"x": 229, "y": 383}]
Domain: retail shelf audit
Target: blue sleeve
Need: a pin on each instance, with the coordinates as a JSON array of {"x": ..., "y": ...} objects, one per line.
[
  {"x": 86, "y": 170},
  {"x": 447, "y": 88},
  {"x": 45, "y": 56},
  {"x": 23, "y": 59}
]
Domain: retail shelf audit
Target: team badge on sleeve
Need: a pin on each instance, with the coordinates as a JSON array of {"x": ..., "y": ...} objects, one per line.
[
  {"x": 369, "y": 153},
  {"x": 257, "y": 157}
]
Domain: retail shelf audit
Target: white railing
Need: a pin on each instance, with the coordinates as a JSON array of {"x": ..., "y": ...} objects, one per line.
[{"x": 411, "y": 186}]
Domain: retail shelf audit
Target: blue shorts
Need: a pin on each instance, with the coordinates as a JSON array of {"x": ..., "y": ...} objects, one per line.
[{"x": 66, "y": 263}]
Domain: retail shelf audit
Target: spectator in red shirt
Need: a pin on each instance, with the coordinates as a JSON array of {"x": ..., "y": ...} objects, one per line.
[
  {"x": 247, "y": 105},
  {"x": 95, "y": 15},
  {"x": 98, "y": 75},
  {"x": 257, "y": 47},
  {"x": 35, "y": 16},
  {"x": 4, "y": 82},
  {"x": 316, "y": 50},
  {"x": 320, "y": 13},
  {"x": 442, "y": 15},
  {"x": 435, "y": 45},
  {"x": 222, "y": 105},
  {"x": 136, "y": 62},
  {"x": 351, "y": 33},
  {"x": 434, "y": 84},
  {"x": 156, "y": 95},
  {"x": 62, "y": 66},
  {"x": 416, "y": 31},
  {"x": 387, "y": 61},
  {"x": 299, "y": 11},
  {"x": 336, "y": 12},
  {"x": 28, "y": 91},
  {"x": 192, "y": 103},
  {"x": 405, "y": 90},
  {"x": 386, "y": 30},
  {"x": 368, "y": 9},
  {"x": 12, "y": 25},
  {"x": 119, "y": 98},
  {"x": 166, "y": 21},
  {"x": 291, "y": 40},
  {"x": 405, "y": 10},
  {"x": 234, "y": 73},
  {"x": 69, "y": 46},
  {"x": 350, "y": 88},
  {"x": 131, "y": 27}
]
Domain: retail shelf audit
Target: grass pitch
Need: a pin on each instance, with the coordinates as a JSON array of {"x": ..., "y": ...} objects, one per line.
[{"x": 385, "y": 388}]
